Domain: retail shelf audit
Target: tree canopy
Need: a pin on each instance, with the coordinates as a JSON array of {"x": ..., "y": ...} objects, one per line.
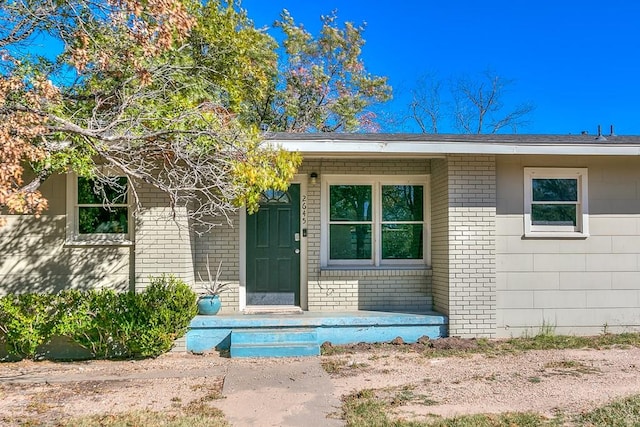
[
  {"x": 322, "y": 84},
  {"x": 170, "y": 93}
]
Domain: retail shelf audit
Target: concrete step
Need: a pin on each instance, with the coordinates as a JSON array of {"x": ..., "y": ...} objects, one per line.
[
  {"x": 273, "y": 335},
  {"x": 273, "y": 309},
  {"x": 269, "y": 342},
  {"x": 274, "y": 350}
]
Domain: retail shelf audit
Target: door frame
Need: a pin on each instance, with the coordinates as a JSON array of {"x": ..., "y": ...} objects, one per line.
[{"x": 300, "y": 179}]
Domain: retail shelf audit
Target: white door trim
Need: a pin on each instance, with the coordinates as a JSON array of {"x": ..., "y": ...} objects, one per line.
[{"x": 300, "y": 179}]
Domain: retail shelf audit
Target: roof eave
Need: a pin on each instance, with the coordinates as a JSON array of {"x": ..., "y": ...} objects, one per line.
[{"x": 330, "y": 148}]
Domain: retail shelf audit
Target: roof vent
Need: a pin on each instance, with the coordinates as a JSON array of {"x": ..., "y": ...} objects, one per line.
[
  {"x": 600, "y": 137},
  {"x": 612, "y": 133}
]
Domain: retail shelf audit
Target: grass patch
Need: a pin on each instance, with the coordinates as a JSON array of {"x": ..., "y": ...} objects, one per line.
[
  {"x": 328, "y": 349},
  {"x": 341, "y": 367},
  {"x": 546, "y": 341},
  {"x": 363, "y": 409},
  {"x": 561, "y": 342},
  {"x": 456, "y": 347},
  {"x": 404, "y": 395},
  {"x": 212, "y": 390},
  {"x": 570, "y": 367},
  {"x": 197, "y": 413},
  {"x": 624, "y": 412},
  {"x": 150, "y": 419},
  {"x": 369, "y": 408},
  {"x": 333, "y": 366},
  {"x": 563, "y": 364},
  {"x": 492, "y": 420}
]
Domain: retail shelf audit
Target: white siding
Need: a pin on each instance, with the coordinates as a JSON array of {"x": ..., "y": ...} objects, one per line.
[{"x": 578, "y": 286}]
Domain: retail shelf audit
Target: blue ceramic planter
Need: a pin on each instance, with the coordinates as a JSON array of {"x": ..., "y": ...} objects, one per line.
[{"x": 209, "y": 304}]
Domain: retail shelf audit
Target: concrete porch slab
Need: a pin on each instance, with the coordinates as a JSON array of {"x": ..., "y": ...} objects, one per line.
[{"x": 214, "y": 332}]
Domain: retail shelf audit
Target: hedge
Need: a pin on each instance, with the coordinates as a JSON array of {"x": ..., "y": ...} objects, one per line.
[{"x": 107, "y": 323}]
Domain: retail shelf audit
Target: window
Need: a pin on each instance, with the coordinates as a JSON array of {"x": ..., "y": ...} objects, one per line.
[
  {"x": 555, "y": 202},
  {"x": 98, "y": 212},
  {"x": 374, "y": 221}
]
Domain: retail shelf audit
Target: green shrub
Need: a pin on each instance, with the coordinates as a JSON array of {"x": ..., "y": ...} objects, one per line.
[
  {"x": 26, "y": 322},
  {"x": 107, "y": 323}
]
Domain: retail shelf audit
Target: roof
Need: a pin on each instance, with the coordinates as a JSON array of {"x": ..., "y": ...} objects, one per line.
[{"x": 435, "y": 145}]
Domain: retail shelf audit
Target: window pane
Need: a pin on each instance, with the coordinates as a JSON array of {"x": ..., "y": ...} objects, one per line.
[
  {"x": 275, "y": 196},
  {"x": 350, "y": 202},
  {"x": 402, "y": 203},
  {"x": 553, "y": 215},
  {"x": 555, "y": 190},
  {"x": 92, "y": 192},
  {"x": 349, "y": 241},
  {"x": 402, "y": 241},
  {"x": 102, "y": 220}
]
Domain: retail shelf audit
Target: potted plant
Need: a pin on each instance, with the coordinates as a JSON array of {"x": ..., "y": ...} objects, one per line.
[{"x": 209, "y": 300}]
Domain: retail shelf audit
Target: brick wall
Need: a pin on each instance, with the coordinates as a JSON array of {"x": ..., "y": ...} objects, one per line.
[
  {"x": 221, "y": 245},
  {"x": 463, "y": 223},
  {"x": 163, "y": 241},
  {"x": 165, "y": 245},
  {"x": 440, "y": 234},
  {"x": 382, "y": 290},
  {"x": 368, "y": 289}
]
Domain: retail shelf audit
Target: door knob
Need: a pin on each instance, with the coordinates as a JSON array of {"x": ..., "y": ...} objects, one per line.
[{"x": 297, "y": 251}]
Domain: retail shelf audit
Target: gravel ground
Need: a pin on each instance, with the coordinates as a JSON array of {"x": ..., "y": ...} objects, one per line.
[{"x": 547, "y": 382}]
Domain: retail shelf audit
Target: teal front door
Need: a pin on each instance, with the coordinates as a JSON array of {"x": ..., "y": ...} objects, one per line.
[{"x": 273, "y": 249}]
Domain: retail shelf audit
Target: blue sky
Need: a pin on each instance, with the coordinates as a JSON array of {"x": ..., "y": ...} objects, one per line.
[{"x": 577, "y": 61}]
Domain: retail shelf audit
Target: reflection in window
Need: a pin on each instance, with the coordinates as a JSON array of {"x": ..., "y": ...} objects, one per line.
[
  {"x": 402, "y": 221},
  {"x": 350, "y": 203},
  {"x": 554, "y": 201},
  {"x": 103, "y": 207},
  {"x": 376, "y": 222},
  {"x": 350, "y": 222},
  {"x": 350, "y": 241},
  {"x": 274, "y": 196}
]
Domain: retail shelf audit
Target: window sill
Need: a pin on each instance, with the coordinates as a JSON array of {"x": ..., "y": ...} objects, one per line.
[
  {"x": 97, "y": 242},
  {"x": 342, "y": 270},
  {"x": 556, "y": 235}
]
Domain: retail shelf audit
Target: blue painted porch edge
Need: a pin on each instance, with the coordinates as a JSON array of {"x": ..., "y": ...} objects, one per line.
[{"x": 214, "y": 332}]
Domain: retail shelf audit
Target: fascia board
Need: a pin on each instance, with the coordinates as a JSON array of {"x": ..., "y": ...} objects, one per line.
[{"x": 369, "y": 148}]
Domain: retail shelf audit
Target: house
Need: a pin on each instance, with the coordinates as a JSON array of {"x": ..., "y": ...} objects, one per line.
[{"x": 500, "y": 234}]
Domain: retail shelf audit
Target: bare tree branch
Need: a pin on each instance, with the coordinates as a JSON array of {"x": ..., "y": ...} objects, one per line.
[
  {"x": 426, "y": 103},
  {"x": 477, "y": 105}
]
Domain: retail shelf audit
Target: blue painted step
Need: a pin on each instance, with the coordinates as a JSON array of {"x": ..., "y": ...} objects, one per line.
[{"x": 281, "y": 342}]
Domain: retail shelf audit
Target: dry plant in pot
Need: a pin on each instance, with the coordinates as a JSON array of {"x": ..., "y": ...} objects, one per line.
[{"x": 209, "y": 300}]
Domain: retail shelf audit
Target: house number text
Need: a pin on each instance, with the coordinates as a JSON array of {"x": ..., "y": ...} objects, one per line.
[{"x": 303, "y": 205}]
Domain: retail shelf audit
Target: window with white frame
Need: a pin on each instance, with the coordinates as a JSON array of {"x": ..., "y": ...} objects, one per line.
[
  {"x": 98, "y": 210},
  {"x": 374, "y": 221},
  {"x": 555, "y": 202}
]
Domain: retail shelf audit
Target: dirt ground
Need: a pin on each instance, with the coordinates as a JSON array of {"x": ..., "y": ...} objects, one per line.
[{"x": 547, "y": 382}]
